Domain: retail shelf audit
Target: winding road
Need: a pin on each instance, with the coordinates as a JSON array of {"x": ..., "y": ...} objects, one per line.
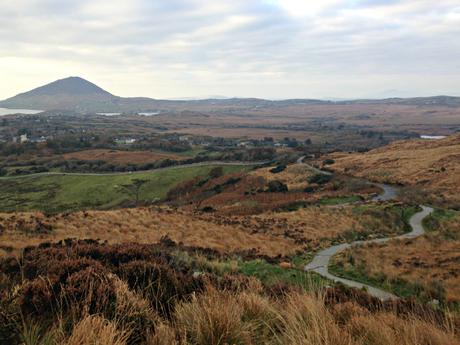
[{"x": 320, "y": 262}]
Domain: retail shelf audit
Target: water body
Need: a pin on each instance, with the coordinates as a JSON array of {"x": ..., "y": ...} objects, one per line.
[
  {"x": 5, "y": 111},
  {"x": 432, "y": 137},
  {"x": 143, "y": 114},
  {"x": 149, "y": 114},
  {"x": 109, "y": 114}
]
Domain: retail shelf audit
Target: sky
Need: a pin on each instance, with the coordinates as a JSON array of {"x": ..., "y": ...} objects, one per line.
[{"x": 236, "y": 48}]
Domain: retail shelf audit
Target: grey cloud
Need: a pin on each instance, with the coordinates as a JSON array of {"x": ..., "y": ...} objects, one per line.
[{"x": 234, "y": 43}]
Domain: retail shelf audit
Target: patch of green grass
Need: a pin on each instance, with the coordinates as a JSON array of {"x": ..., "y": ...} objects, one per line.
[
  {"x": 191, "y": 153},
  {"x": 267, "y": 273},
  {"x": 74, "y": 192},
  {"x": 397, "y": 214},
  {"x": 432, "y": 222},
  {"x": 294, "y": 206},
  {"x": 299, "y": 260},
  {"x": 340, "y": 200},
  {"x": 271, "y": 274}
]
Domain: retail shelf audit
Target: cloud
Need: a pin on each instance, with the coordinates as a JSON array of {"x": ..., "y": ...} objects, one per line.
[{"x": 263, "y": 48}]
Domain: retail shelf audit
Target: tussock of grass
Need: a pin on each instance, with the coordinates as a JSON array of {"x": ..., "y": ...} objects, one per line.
[{"x": 95, "y": 330}]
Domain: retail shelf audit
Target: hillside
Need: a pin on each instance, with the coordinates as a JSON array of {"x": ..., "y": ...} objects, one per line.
[
  {"x": 78, "y": 94},
  {"x": 430, "y": 165},
  {"x": 271, "y": 234}
]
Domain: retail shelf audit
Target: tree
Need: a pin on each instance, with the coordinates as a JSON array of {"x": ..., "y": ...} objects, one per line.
[
  {"x": 216, "y": 172},
  {"x": 135, "y": 187}
]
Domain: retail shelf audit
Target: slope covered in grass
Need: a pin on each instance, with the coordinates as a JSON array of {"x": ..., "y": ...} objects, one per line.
[
  {"x": 431, "y": 165},
  {"x": 56, "y": 193}
]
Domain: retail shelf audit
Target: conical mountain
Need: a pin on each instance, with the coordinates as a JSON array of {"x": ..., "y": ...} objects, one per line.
[{"x": 73, "y": 93}]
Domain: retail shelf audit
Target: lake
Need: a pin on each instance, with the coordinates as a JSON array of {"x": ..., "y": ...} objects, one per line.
[
  {"x": 432, "y": 137},
  {"x": 5, "y": 111},
  {"x": 149, "y": 114},
  {"x": 108, "y": 114}
]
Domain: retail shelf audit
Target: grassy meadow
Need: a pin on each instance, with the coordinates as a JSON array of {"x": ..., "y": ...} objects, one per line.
[{"x": 56, "y": 193}]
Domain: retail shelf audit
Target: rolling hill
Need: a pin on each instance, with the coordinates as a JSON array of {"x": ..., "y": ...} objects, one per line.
[{"x": 80, "y": 95}]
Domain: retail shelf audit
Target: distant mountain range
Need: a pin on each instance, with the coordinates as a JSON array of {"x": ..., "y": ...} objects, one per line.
[{"x": 80, "y": 95}]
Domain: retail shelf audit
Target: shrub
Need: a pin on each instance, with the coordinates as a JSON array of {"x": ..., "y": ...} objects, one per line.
[
  {"x": 90, "y": 290},
  {"x": 134, "y": 313},
  {"x": 309, "y": 189},
  {"x": 158, "y": 283},
  {"x": 37, "y": 297},
  {"x": 320, "y": 179},
  {"x": 216, "y": 172},
  {"x": 279, "y": 168},
  {"x": 277, "y": 187},
  {"x": 208, "y": 209},
  {"x": 328, "y": 161},
  {"x": 232, "y": 180}
]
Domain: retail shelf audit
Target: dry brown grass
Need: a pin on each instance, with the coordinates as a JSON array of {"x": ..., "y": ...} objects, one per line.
[
  {"x": 255, "y": 123},
  {"x": 298, "y": 319},
  {"x": 315, "y": 225},
  {"x": 95, "y": 330},
  {"x": 271, "y": 233},
  {"x": 240, "y": 311},
  {"x": 120, "y": 157},
  {"x": 295, "y": 176},
  {"x": 142, "y": 225},
  {"x": 434, "y": 165}
]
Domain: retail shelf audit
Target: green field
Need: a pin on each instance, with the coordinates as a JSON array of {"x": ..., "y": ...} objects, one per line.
[
  {"x": 340, "y": 200},
  {"x": 272, "y": 274},
  {"x": 58, "y": 193}
]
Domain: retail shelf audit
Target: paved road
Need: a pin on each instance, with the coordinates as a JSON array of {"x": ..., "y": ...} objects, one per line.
[
  {"x": 183, "y": 166},
  {"x": 320, "y": 263},
  {"x": 312, "y": 168},
  {"x": 389, "y": 192}
]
